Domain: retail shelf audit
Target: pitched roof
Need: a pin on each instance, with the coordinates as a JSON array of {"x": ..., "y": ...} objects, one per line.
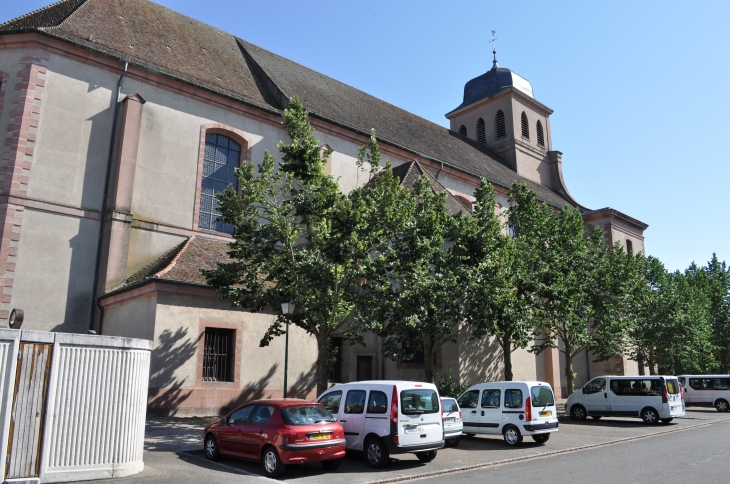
[
  {"x": 409, "y": 172},
  {"x": 183, "y": 263},
  {"x": 164, "y": 41}
]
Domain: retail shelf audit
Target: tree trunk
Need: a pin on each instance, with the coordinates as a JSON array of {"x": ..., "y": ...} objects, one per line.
[
  {"x": 724, "y": 361},
  {"x": 428, "y": 358},
  {"x": 507, "y": 356},
  {"x": 323, "y": 362},
  {"x": 652, "y": 362},
  {"x": 569, "y": 371}
]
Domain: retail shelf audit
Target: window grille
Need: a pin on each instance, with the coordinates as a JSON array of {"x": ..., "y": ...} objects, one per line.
[
  {"x": 540, "y": 137},
  {"x": 525, "y": 127},
  {"x": 218, "y": 354},
  {"x": 222, "y": 155},
  {"x": 501, "y": 129},
  {"x": 481, "y": 137},
  {"x": 462, "y": 130}
]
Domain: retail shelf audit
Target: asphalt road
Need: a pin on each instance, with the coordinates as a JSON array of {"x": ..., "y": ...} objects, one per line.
[{"x": 620, "y": 450}]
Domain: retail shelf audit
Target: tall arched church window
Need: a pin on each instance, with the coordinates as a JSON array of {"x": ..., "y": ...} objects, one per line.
[
  {"x": 540, "y": 136},
  {"x": 525, "y": 126},
  {"x": 222, "y": 155},
  {"x": 499, "y": 121},
  {"x": 481, "y": 135},
  {"x": 629, "y": 247},
  {"x": 462, "y": 130}
]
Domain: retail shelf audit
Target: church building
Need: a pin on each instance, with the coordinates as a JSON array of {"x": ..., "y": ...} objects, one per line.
[{"x": 123, "y": 119}]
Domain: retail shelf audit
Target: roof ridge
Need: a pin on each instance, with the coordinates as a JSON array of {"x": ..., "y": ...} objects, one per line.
[{"x": 174, "y": 260}]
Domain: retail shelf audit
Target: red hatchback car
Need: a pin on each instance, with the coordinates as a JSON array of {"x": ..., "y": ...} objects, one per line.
[{"x": 277, "y": 433}]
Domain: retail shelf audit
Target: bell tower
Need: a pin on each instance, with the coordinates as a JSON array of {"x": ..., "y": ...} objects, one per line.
[{"x": 500, "y": 111}]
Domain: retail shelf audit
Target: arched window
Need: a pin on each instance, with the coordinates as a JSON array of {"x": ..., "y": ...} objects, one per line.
[
  {"x": 540, "y": 136},
  {"x": 629, "y": 247},
  {"x": 481, "y": 136},
  {"x": 462, "y": 130},
  {"x": 525, "y": 126},
  {"x": 501, "y": 130},
  {"x": 222, "y": 155}
]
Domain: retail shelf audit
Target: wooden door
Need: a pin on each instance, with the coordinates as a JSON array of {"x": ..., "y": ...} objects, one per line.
[
  {"x": 29, "y": 405},
  {"x": 364, "y": 368}
]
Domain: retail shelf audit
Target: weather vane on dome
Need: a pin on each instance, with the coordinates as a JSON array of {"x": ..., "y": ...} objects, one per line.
[{"x": 494, "y": 49}]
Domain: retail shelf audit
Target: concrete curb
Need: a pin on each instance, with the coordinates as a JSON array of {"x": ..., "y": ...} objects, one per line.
[{"x": 454, "y": 470}]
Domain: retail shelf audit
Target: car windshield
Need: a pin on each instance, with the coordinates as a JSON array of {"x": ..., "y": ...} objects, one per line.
[
  {"x": 416, "y": 402},
  {"x": 542, "y": 396},
  {"x": 449, "y": 405},
  {"x": 306, "y": 415}
]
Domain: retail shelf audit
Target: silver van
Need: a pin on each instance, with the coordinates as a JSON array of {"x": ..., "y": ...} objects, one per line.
[{"x": 706, "y": 391}]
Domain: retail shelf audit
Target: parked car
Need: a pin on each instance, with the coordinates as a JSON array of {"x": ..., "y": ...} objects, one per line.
[
  {"x": 651, "y": 398},
  {"x": 277, "y": 433},
  {"x": 453, "y": 426},
  {"x": 706, "y": 391},
  {"x": 383, "y": 418},
  {"x": 513, "y": 409}
]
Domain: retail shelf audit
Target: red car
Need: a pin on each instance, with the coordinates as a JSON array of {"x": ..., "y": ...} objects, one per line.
[{"x": 277, "y": 433}]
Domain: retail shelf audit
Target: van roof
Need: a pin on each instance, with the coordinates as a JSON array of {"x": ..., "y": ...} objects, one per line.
[
  {"x": 527, "y": 382},
  {"x": 705, "y": 376},
  {"x": 633, "y": 377},
  {"x": 385, "y": 382}
]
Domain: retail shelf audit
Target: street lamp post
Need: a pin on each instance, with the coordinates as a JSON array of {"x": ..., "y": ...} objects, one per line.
[{"x": 286, "y": 309}]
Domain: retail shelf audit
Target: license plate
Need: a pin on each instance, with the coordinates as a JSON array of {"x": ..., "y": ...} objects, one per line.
[
  {"x": 544, "y": 414},
  {"x": 450, "y": 419},
  {"x": 319, "y": 436},
  {"x": 412, "y": 430}
]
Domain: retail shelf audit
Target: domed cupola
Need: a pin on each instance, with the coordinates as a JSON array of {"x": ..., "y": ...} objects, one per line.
[{"x": 493, "y": 81}]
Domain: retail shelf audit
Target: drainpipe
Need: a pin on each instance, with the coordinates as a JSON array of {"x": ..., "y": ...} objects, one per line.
[
  {"x": 440, "y": 170},
  {"x": 102, "y": 222}
]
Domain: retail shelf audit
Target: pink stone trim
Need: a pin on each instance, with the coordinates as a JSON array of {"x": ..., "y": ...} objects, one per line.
[
  {"x": 175, "y": 259},
  {"x": 235, "y": 134},
  {"x": 17, "y": 160}
]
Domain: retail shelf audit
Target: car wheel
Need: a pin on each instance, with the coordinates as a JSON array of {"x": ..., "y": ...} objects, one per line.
[
  {"x": 331, "y": 465},
  {"x": 273, "y": 467},
  {"x": 453, "y": 442},
  {"x": 376, "y": 453},
  {"x": 721, "y": 406},
  {"x": 470, "y": 435},
  {"x": 649, "y": 416},
  {"x": 577, "y": 412},
  {"x": 596, "y": 417},
  {"x": 667, "y": 420},
  {"x": 426, "y": 456},
  {"x": 512, "y": 436},
  {"x": 211, "y": 448},
  {"x": 541, "y": 438}
]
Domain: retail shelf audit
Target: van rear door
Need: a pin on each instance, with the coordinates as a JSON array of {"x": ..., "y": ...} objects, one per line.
[
  {"x": 543, "y": 404},
  {"x": 673, "y": 397},
  {"x": 419, "y": 421}
]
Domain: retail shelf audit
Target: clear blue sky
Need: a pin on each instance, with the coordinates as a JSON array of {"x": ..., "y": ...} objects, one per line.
[{"x": 639, "y": 88}]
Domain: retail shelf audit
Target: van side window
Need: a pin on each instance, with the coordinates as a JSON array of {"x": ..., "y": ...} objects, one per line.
[
  {"x": 513, "y": 399},
  {"x": 720, "y": 383},
  {"x": 650, "y": 388},
  {"x": 490, "y": 398},
  {"x": 625, "y": 388},
  {"x": 377, "y": 403},
  {"x": 700, "y": 383},
  {"x": 681, "y": 380},
  {"x": 355, "y": 401},
  {"x": 595, "y": 386},
  {"x": 331, "y": 401},
  {"x": 469, "y": 399}
]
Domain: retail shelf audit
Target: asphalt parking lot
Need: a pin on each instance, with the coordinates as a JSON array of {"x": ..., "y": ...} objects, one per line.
[{"x": 182, "y": 438}]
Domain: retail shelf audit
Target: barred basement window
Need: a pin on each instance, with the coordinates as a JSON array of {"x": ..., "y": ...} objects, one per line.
[
  {"x": 222, "y": 155},
  {"x": 481, "y": 137},
  {"x": 462, "y": 130},
  {"x": 218, "y": 354},
  {"x": 540, "y": 137},
  {"x": 525, "y": 126},
  {"x": 501, "y": 130}
]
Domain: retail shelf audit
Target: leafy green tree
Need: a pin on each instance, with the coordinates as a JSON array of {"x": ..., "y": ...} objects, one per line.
[
  {"x": 411, "y": 294},
  {"x": 299, "y": 239},
  {"x": 500, "y": 271},
  {"x": 718, "y": 292}
]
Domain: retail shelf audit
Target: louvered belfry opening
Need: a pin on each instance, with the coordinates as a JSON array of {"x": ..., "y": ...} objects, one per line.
[
  {"x": 540, "y": 137},
  {"x": 462, "y": 130},
  {"x": 481, "y": 135},
  {"x": 218, "y": 357},
  {"x": 525, "y": 127},
  {"x": 501, "y": 129}
]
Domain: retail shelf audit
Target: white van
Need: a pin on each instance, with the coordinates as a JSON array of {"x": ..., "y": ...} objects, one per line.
[
  {"x": 652, "y": 398},
  {"x": 383, "y": 418},
  {"x": 452, "y": 421},
  {"x": 706, "y": 391},
  {"x": 512, "y": 409}
]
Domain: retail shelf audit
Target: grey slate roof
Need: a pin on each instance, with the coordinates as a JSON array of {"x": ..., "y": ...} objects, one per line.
[
  {"x": 409, "y": 172},
  {"x": 183, "y": 48}
]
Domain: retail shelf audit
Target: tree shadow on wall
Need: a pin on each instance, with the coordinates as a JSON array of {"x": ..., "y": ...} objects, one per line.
[
  {"x": 255, "y": 390},
  {"x": 305, "y": 384},
  {"x": 480, "y": 361},
  {"x": 172, "y": 351}
]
